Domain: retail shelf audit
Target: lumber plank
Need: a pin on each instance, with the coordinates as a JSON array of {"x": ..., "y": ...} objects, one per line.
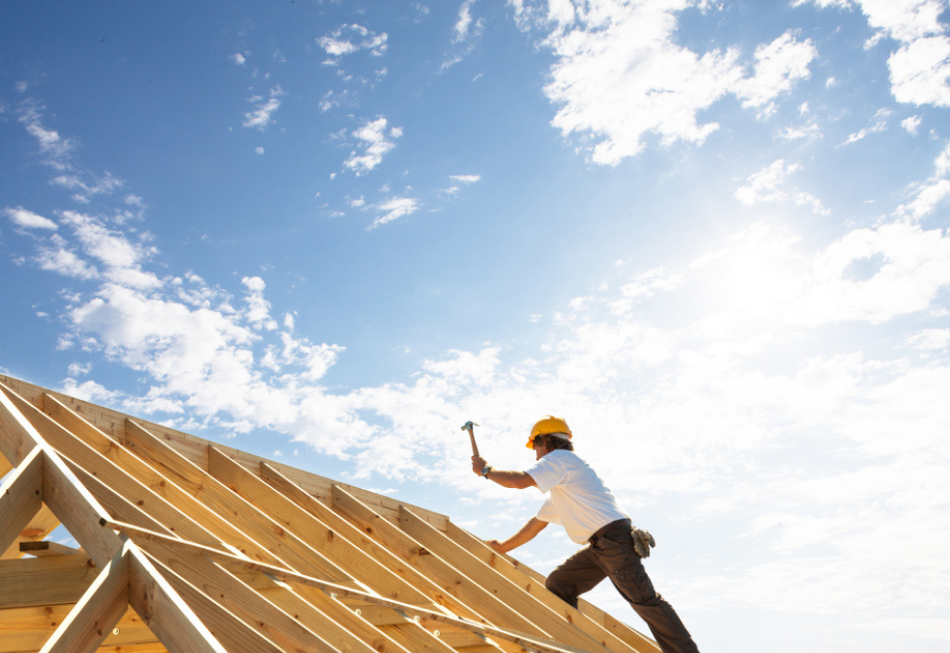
[
  {"x": 5, "y": 466},
  {"x": 515, "y": 572},
  {"x": 27, "y": 629},
  {"x": 164, "y": 611},
  {"x": 449, "y": 578},
  {"x": 95, "y": 614},
  {"x": 279, "y": 543},
  {"x": 45, "y": 549},
  {"x": 21, "y": 497},
  {"x": 45, "y": 581},
  {"x": 324, "y": 539}
]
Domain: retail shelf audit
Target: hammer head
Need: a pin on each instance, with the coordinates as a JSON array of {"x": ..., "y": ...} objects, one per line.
[{"x": 467, "y": 426}]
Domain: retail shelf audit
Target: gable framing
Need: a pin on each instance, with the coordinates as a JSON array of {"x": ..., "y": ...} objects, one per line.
[{"x": 187, "y": 545}]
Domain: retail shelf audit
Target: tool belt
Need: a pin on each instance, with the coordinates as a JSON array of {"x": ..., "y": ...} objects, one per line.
[{"x": 620, "y": 524}]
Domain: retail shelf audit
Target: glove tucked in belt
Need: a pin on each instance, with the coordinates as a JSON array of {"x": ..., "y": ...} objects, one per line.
[{"x": 642, "y": 542}]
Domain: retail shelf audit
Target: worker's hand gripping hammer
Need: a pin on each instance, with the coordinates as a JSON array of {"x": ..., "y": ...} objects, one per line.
[{"x": 470, "y": 427}]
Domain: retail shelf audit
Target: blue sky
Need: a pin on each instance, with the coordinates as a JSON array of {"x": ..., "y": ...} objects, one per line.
[{"x": 713, "y": 236}]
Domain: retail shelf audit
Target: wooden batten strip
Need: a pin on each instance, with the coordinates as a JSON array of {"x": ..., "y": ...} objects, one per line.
[
  {"x": 21, "y": 497},
  {"x": 514, "y": 597},
  {"x": 96, "y": 613}
]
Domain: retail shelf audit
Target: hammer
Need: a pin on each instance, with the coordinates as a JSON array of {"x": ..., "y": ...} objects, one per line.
[{"x": 470, "y": 427}]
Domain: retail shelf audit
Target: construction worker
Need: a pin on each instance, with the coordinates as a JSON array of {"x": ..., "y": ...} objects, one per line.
[{"x": 579, "y": 500}]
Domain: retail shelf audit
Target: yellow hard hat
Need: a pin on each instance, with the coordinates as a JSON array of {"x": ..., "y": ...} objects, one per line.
[{"x": 547, "y": 425}]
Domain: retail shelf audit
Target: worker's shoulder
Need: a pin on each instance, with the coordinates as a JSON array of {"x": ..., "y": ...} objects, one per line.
[{"x": 566, "y": 457}]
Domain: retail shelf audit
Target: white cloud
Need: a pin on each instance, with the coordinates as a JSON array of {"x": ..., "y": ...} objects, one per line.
[
  {"x": 395, "y": 208},
  {"x": 237, "y": 59},
  {"x": 375, "y": 143},
  {"x": 464, "y": 21},
  {"x": 466, "y": 179},
  {"x": 29, "y": 220},
  {"x": 620, "y": 75},
  {"x": 875, "y": 275},
  {"x": 911, "y": 124},
  {"x": 258, "y": 308},
  {"x": 262, "y": 115},
  {"x": 348, "y": 39},
  {"x": 258, "y": 150},
  {"x": 778, "y": 66},
  {"x": 58, "y": 257}
]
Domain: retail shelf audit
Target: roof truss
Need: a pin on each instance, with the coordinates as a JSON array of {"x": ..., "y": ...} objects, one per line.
[{"x": 190, "y": 546}]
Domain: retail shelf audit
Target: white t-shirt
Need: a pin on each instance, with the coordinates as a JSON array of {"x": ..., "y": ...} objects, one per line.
[{"x": 578, "y": 499}]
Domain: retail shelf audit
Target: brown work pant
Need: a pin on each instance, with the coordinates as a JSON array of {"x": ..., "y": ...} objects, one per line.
[{"x": 612, "y": 555}]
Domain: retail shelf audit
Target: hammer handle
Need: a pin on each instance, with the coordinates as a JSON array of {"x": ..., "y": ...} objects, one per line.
[{"x": 471, "y": 435}]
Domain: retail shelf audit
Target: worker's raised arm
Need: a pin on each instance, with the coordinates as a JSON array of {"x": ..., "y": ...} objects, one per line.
[
  {"x": 517, "y": 480},
  {"x": 525, "y": 535}
]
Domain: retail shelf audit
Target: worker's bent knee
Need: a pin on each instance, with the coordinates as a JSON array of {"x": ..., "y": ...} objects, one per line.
[{"x": 558, "y": 586}]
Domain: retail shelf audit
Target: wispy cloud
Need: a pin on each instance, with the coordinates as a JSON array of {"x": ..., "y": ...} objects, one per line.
[
  {"x": 262, "y": 115},
  {"x": 87, "y": 186},
  {"x": 376, "y": 142},
  {"x": 393, "y": 209},
  {"x": 769, "y": 185},
  {"x": 348, "y": 39},
  {"x": 879, "y": 124}
]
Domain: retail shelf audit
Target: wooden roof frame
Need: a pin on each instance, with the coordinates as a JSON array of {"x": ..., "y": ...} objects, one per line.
[{"x": 191, "y": 546}]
